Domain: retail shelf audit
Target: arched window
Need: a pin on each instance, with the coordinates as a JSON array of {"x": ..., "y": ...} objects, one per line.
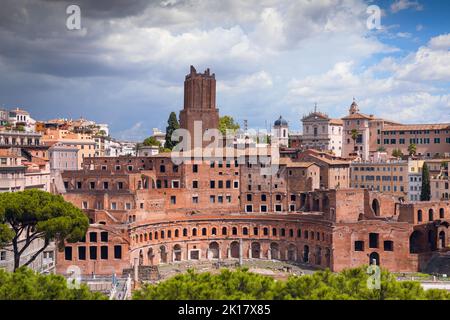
[
  {"x": 245, "y": 231},
  {"x": 441, "y": 213},
  {"x": 203, "y": 231},
  {"x": 234, "y": 231},
  {"x": 214, "y": 231},
  {"x": 194, "y": 232},
  {"x": 255, "y": 231},
  {"x": 140, "y": 238},
  {"x": 156, "y": 235},
  {"x": 430, "y": 215},
  {"x": 299, "y": 233},
  {"x": 176, "y": 233},
  {"x": 169, "y": 233},
  {"x": 274, "y": 232},
  {"x": 224, "y": 231},
  {"x": 162, "y": 234},
  {"x": 419, "y": 216},
  {"x": 283, "y": 232},
  {"x": 150, "y": 236},
  {"x": 266, "y": 231},
  {"x": 185, "y": 232}
]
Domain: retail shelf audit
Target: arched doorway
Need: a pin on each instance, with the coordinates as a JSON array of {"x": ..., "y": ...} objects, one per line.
[
  {"x": 432, "y": 241},
  {"x": 275, "y": 251},
  {"x": 256, "y": 250},
  {"x": 177, "y": 252},
  {"x": 415, "y": 242},
  {"x": 213, "y": 252},
  {"x": 328, "y": 257},
  {"x": 442, "y": 239},
  {"x": 430, "y": 215},
  {"x": 376, "y": 207},
  {"x": 306, "y": 254},
  {"x": 163, "y": 254},
  {"x": 150, "y": 256},
  {"x": 292, "y": 253},
  {"x": 374, "y": 258},
  {"x": 318, "y": 256},
  {"x": 234, "y": 250}
]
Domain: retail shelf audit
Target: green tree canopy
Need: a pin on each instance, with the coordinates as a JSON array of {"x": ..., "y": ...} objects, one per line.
[
  {"x": 425, "y": 194},
  {"x": 151, "y": 141},
  {"x": 350, "y": 284},
  {"x": 24, "y": 284},
  {"x": 397, "y": 153},
  {"x": 227, "y": 123},
  {"x": 412, "y": 149},
  {"x": 172, "y": 125},
  {"x": 34, "y": 214}
]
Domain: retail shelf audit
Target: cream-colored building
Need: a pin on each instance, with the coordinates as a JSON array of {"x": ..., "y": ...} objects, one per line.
[
  {"x": 391, "y": 177},
  {"x": 322, "y": 133}
]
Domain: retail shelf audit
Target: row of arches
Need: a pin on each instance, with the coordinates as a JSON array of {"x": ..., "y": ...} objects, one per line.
[
  {"x": 425, "y": 241},
  {"x": 165, "y": 253},
  {"x": 223, "y": 232},
  {"x": 431, "y": 215}
]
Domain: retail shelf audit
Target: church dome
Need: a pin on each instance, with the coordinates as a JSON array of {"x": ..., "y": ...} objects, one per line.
[{"x": 280, "y": 122}]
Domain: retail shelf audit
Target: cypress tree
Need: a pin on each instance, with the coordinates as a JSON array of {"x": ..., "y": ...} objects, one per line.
[
  {"x": 425, "y": 195},
  {"x": 172, "y": 126}
]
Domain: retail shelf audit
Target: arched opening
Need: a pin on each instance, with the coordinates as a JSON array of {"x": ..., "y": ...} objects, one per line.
[
  {"x": 318, "y": 256},
  {"x": 328, "y": 257},
  {"x": 442, "y": 239},
  {"x": 376, "y": 207},
  {"x": 441, "y": 213},
  {"x": 141, "y": 258},
  {"x": 374, "y": 259},
  {"x": 176, "y": 233},
  {"x": 194, "y": 232},
  {"x": 224, "y": 231},
  {"x": 214, "y": 231},
  {"x": 234, "y": 250},
  {"x": 163, "y": 254},
  {"x": 213, "y": 252},
  {"x": 275, "y": 251},
  {"x": 325, "y": 204},
  {"x": 419, "y": 216},
  {"x": 432, "y": 241},
  {"x": 292, "y": 253},
  {"x": 256, "y": 250},
  {"x": 430, "y": 215},
  {"x": 177, "y": 252},
  {"x": 150, "y": 256},
  {"x": 306, "y": 254},
  {"x": 234, "y": 231},
  {"x": 415, "y": 242}
]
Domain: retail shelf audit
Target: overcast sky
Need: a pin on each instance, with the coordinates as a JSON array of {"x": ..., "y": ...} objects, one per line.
[{"x": 126, "y": 66}]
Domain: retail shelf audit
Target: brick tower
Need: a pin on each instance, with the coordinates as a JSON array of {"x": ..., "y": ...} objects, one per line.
[{"x": 199, "y": 102}]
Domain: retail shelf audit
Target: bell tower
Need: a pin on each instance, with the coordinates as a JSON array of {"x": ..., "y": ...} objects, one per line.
[{"x": 199, "y": 102}]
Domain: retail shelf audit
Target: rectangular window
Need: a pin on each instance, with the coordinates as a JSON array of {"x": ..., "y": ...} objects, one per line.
[
  {"x": 212, "y": 199},
  {"x": 212, "y": 184},
  {"x": 359, "y": 245},
  {"x": 117, "y": 252},
  {"x": 195, "y": 168},
  {"x": 93, "y": 236},
  {"x": 194, "y": 184},
  {"x": 81, "y": 253},
  {"x": 104, "y": 236},
  {"x": 173, "y": 200},
  {"x": 93, "y": 253},
  {"x": 388, "y": 246},
  {"x": 278, "y": 208},
  {"x": 373, "y": 240},
  {"x": 263, "y": 208},
  {"x": 104, "y": 252},
  {"x": 249, "y": 208},
  {"x": 195, "y": 199},
  {"x": 68, "y": 253}
]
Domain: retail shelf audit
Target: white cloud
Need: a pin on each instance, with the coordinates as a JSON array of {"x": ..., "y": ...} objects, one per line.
[
  {"x": 410, "y": 89},
  {"x": 400, "y": 5}
]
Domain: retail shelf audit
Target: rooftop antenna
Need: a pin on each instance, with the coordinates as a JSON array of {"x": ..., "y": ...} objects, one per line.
[{"x": 315, "y": 107}]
